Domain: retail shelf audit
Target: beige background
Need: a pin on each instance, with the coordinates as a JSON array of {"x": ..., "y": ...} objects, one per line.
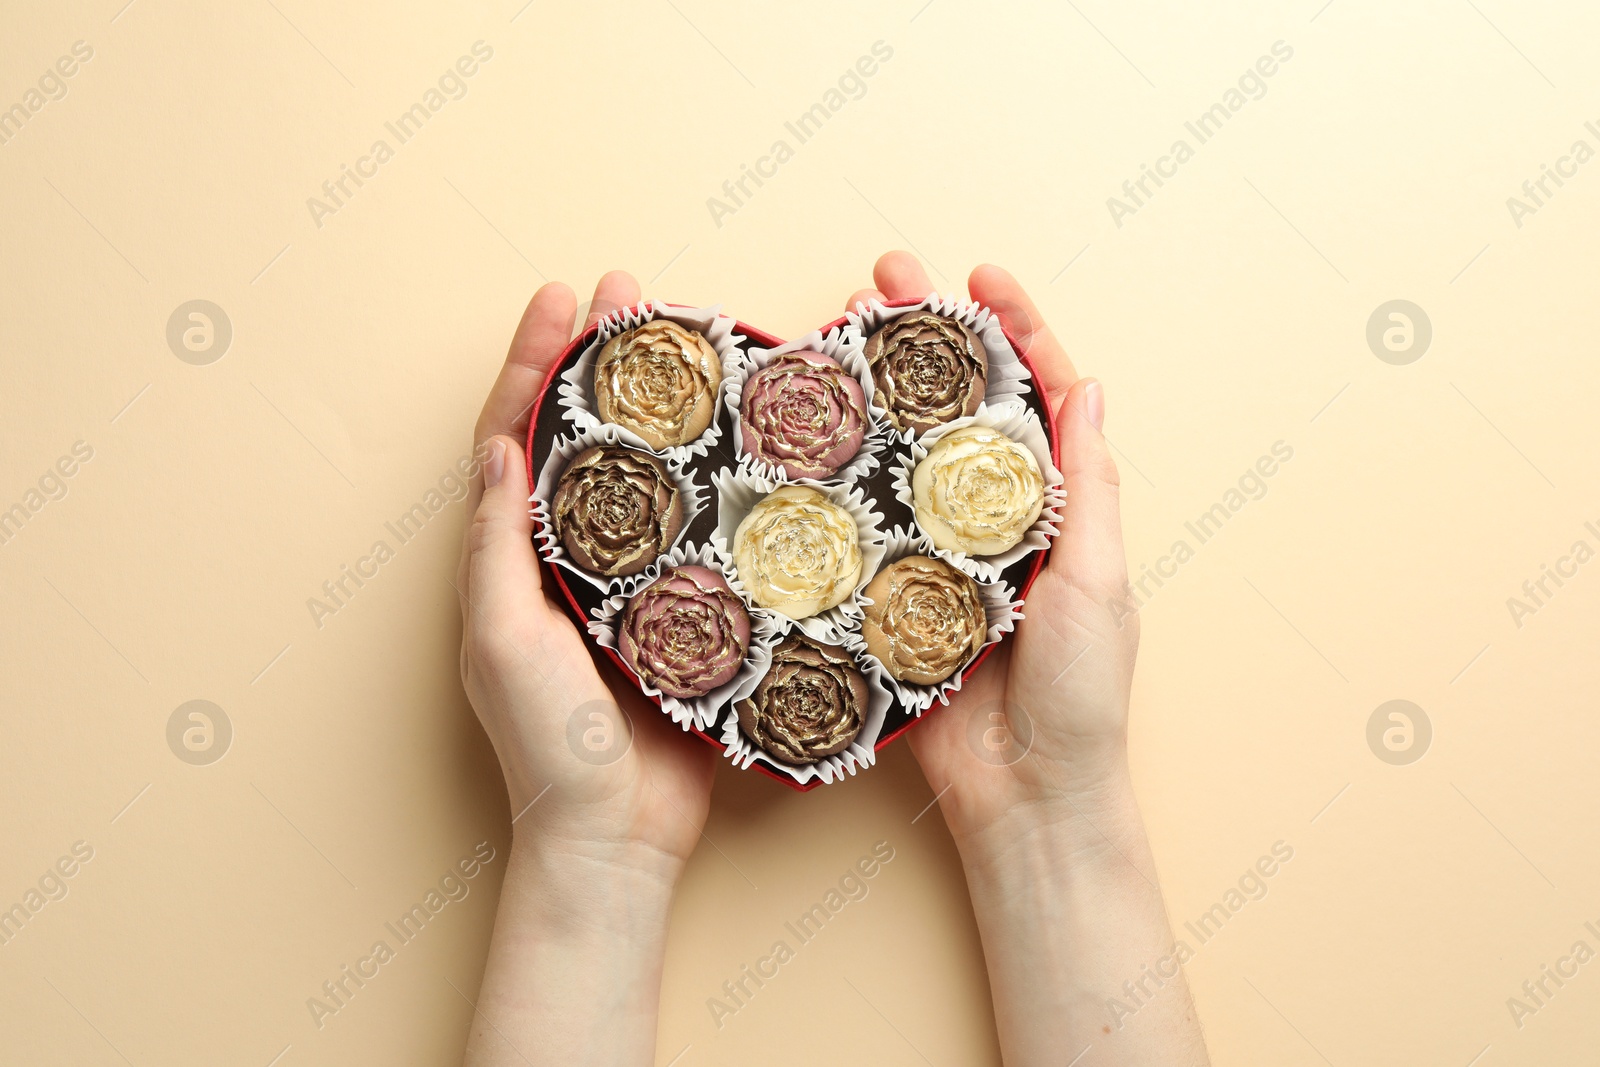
[{"x": 1227, "y": 314}]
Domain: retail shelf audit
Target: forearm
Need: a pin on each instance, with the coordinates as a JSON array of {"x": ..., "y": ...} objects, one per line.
[
  {"x": 1075, "y": 933},
  {"x": 574, "y": 969}
]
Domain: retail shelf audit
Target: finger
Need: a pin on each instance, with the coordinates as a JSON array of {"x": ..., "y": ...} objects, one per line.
[
  {"x": 1088, "y": 554},
  {"x": 541, "y": 335},
  {"x": 616, "y": 289},
  {"x": 900, "y": 276},
  {"x": 996, "y": 289},
  {"x": 862, "y": 296},
  {"x": 502, "y": 571},
  {"x": 474, "y": 496}
]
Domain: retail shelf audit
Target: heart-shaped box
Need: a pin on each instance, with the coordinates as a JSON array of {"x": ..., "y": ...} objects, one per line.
[{"x": 716, "y": 477}]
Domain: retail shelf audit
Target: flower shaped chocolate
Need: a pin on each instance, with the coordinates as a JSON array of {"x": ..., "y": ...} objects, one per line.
[
  {"x": 685, "y": 633},
  {"x": 977, "y": 492},
  {"x": 803, "y": 412},
  {"x": 658, "y": 380},
  {"x": 810, "y": 704},
  {"x": 616, "y": 509},
  {"x": 798, "y": 552},
  {"x": 926, "y": 620},
  {"x": 929, "y": 369}
]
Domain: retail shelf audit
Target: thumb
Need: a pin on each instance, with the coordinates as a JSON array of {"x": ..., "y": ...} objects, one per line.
[
  {"x": 503, "y": 572},
  {"x": 1088, "y": 554}
]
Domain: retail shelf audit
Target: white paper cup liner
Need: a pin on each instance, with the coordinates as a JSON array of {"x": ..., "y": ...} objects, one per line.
[
  {"x": 562, "y": 452},
  {"x": 843, "y": 345},
  {"x": 1008, "y": 377},
  {"x": 1001, "y": 609},
  {"x": 739, "y": 489},
  {"x": 702, "y": 712},
  {"x": 576, "y": 391},
  {"x": 1017, "y": 421},
  {"x": 743, "y": 751}
]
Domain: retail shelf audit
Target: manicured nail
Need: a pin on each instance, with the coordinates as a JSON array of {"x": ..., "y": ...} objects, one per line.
[
  {"x": 494, "y": 468},
  {"x": 1095, "y": 398}
]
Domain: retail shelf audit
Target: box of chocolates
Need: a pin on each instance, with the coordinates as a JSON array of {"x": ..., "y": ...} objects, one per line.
[{"x": 796, "y": 549}]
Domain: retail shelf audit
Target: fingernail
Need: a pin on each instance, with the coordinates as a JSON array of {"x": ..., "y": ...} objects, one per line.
[
  {"x": 1095, "y": 399},
  {"x": 494, "y": 468}
]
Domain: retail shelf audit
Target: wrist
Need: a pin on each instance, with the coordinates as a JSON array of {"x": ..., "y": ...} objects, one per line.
[
  {"x": 1064, "y": 890},
  {"x": 587, "y": 885},
  {"x": 1085, "y": 817},
  {"x": 574, "y": 969}
]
